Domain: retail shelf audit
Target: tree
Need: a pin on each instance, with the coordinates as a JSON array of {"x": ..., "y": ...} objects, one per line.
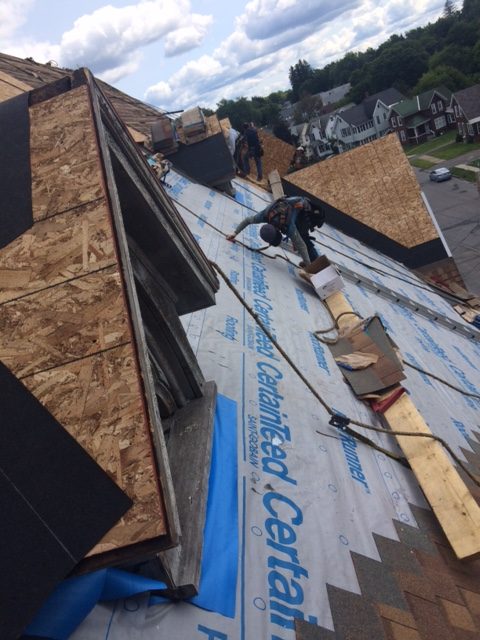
[
  {"x": 444, "y": 75},
  {"x": 449, "y": 9},
  {"x": 402, "y": 62},
  {"x": 307, "y": 108},
  {"x": 471, "y": 10},
  {"x": 297, "y": 75},
  {"x": 281, "y": 131}
]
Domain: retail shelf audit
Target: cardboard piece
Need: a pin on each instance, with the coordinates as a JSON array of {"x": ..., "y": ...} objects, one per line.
[
  {"x": 56, "y": 504},
  {"x": 370, "y": 338}
]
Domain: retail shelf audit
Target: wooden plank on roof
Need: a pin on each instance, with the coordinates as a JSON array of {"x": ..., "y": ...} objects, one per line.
[
  {"x": 450, "y": 499},
  {"x": 139, "y": 137},
  {"x": 456, "y": 509},
  {"x": 276, "y": 184},
  {"x": 11, "y": 87}
]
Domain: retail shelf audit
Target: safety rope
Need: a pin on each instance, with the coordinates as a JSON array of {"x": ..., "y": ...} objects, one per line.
[
  {"x": 334, "y": 327},
  {"x": 342, "y": 419}
]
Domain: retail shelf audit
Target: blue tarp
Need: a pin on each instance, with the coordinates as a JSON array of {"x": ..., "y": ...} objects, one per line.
[{"x": 75, "y": 597}]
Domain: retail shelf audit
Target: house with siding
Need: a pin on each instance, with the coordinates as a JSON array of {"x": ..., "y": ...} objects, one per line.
[
  {"x": 365, "y": 122},
  {"x": 466, "y": 110},
  {"x": 427, "y": 114}
]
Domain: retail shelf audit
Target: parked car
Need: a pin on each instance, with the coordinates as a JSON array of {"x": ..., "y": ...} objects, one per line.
[{"x": 440, "y": 174}]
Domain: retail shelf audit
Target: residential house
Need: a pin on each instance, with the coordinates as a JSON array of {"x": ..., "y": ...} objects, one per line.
[
  {"x": 364, "y": 122},
  {"x": 424, "y": 115},
  {"x": 321, "y": 531},
  {"x": 466, "y": 111},
  {"x": 330, "y": 97}
]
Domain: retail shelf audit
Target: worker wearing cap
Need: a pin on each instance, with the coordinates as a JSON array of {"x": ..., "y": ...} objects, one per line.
[{"x": 287, "y": 216}]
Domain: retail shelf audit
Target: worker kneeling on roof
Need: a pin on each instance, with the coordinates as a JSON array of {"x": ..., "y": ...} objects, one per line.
[{"x": 293, "y": 217}]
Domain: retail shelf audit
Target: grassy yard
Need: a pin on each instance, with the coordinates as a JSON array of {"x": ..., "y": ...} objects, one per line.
[
  {"x": 455, "y": 149},
  {"x": 421, "y": 164},
  {"x": 475, "y": 163},
  {"x": 426, "y": 147},
  {"x": 471, "y": 176}
]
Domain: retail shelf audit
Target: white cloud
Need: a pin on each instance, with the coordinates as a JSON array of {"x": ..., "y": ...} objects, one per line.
[
  {"x": 13, "y": 13},
  {"x": 187, "y": 37},
  {"x": 109, "y": 40}
]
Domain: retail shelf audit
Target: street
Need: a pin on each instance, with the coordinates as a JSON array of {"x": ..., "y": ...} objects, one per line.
[{"x": 456, "y": 205}]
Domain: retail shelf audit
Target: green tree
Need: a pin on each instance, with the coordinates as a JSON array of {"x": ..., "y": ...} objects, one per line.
[
  {"x": 449, "y": 9},
  {"x": 471, "y": 10},
  {"x": 281, "y": 131},
  {"x": 402, "y": 62},
  {"x": 445, "y": 76},
  {"x": 307, "y": 108},
  {"x": 297, "y": 75}
]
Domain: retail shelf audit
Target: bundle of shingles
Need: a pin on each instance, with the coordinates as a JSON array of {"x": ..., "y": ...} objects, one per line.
[
  {"x": 164, "y": 139},
  {"x": 192, "y": 126}
]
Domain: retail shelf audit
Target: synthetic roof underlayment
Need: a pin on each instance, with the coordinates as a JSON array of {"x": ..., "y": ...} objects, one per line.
[{"x": 331, "y": 531}]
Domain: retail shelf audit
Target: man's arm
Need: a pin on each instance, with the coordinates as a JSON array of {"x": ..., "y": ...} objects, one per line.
[{"x": 255, "y": 219}]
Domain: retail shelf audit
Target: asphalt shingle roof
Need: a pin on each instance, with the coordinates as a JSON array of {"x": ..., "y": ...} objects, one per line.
[{"x": 469, "y": 101}]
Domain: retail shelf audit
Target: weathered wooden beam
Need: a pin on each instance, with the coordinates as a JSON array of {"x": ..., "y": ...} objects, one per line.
[
  {"x": 189, "y": 452},
  {"x": 450, "y": 499},
  {"x": 276, "y": 184}
]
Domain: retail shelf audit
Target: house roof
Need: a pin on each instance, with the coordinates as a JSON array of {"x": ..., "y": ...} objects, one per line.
[
  {"x": 421, "y": 102},
  {"x": 416, "y": 120},
  {"x": 362, "y": 556},
  {"x": 364, "y": 111},
  {"x": 375, "y": 186},
  {"x": 370, "y": 558},
  {"x": 469, "y": 101}
]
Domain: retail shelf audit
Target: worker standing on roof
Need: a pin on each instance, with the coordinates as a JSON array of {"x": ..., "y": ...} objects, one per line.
[
  {"x": 255, "y": 149},
  {"x": 293, "y": 217}
]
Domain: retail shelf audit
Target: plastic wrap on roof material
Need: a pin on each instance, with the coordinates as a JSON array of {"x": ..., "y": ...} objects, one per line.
[{"x": 313, "y": 504}]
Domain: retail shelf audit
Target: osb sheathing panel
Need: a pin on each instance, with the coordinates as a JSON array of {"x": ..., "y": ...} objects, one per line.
[
  {"x": 97, "y": 400},
  {"x": 63, "y": 150},
  {"x": 69, "y": 321},
  {"x": 64, "y": 325},
  {"x": 57, "y": 249},
  {"x": 277, "y": 154},
  {"x": 375, "y": 185}
]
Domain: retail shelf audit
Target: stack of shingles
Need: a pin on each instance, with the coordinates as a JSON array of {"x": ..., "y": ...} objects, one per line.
[
  {"x": 192, "y": 126},
  {"x": 163, "y": 136}
]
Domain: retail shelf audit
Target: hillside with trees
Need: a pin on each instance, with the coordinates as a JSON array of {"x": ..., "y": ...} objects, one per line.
[{"x": 445, "y": 52}]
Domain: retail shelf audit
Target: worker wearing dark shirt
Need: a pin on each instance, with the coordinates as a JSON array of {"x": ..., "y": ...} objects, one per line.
[
  {"x": 287, "y": 216},
  {"x": 254, "y": 149}
]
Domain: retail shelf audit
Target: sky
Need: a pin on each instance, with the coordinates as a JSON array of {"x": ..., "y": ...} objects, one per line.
[{"x": 175, "y": 54}]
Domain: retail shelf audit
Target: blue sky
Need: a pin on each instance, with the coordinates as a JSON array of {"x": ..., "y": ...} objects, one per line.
[{"x": 178, "y": 53}]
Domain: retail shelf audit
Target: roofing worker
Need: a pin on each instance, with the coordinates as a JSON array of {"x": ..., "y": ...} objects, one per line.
[
  {"x": 293, "y": 217},
  {"x": 255, "y": 149}
]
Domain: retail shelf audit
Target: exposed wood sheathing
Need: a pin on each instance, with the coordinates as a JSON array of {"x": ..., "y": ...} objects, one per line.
[
  {"x": 277, "y": 154},
  {"x": 64, "y": 324},
  {"x": 10, "y": 86},
  {"x": 375, "y": 185}
]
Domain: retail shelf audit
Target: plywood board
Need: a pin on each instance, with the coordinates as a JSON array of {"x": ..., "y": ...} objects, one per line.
[
  {"x": 97, "y": 400},
  {"x": 375, "y": 185},
  {"x": 64, "y": 320},
  {"x": 456, "y": 509},
  {"x": 70, "y": 321},
  {"x": 64, "y": 154},
  {"x": 277, "y": 154},
  {"x": 57, "y": 249}
]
